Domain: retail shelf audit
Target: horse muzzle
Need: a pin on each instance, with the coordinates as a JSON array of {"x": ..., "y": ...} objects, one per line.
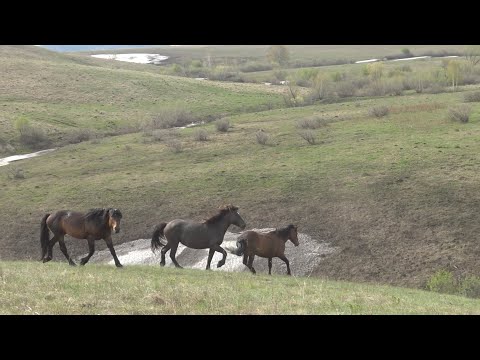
[{"x": 117, "y": 230}]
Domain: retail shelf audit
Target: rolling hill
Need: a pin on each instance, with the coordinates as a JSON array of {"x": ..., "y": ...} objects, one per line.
[{"x": 396, "y": 194}]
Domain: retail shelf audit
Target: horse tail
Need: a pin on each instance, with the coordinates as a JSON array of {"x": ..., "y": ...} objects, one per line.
[
  {"x": 44, "y": 235},
  {"x": 156, "y": 237},
  {"x": 241, "y": 246}
]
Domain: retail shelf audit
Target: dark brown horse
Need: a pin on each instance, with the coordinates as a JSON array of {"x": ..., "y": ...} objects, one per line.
[
  {"x": 197, "y": 235},
  {"x": 94, "y": 225},
  {"x": 268, "y": 245}
]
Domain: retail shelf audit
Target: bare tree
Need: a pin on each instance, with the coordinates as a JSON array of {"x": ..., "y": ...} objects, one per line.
[
  {"x": 472, "y": 54},
  {"x": 291, "y": 97}
]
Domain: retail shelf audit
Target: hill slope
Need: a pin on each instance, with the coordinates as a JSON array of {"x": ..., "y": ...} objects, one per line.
[
  {"x": 62, "y": 93},
  {"x": 33, "y": 288},
  {"x": 396, "y": 195}
]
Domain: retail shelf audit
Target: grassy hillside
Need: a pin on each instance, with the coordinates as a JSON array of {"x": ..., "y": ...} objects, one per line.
[
  {"x": 63, "y": 93},
  {"x": 33, "y": 288},
  {"x": 396, "y": 194}
]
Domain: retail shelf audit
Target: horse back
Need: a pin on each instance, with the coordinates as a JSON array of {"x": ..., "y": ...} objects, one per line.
[
  {"x": 264, "y": 245},
  {"x": 72, "y": 223},
  {"x": 195, "y": 235}
]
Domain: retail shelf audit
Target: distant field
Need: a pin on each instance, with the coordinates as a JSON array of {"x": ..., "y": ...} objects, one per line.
[
  {"x": 62, "y": 94},
  {"x": 302, "y": 53}
]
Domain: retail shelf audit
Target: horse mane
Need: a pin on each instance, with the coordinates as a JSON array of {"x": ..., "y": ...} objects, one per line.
[
  {"x": 99, "y": 215},
  {"x": 222, "y": 211},
  {"x": 96, "y": 215},
  {"x": 283, "y": 232}
]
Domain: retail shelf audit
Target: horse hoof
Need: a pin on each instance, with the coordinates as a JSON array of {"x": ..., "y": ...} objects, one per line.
[
  {"x": 46, "y": 260},
  {"x": 119, "y": 266},
  {"x": 162, "y": 264},
  {"x": 220, "y": 264},
  {"x": 72, "y": 263}
]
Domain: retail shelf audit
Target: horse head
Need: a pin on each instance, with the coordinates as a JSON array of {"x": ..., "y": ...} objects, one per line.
[
  {"x": 233, "y": 216},
  {"x": 114, "y": 218},
  {"x": 293, "y": 234}
]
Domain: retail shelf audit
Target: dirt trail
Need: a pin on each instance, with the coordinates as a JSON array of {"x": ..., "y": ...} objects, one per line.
[{"x": 303, "y": 258}]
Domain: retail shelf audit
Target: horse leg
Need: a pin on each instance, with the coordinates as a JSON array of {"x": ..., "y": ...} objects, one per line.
[
  {"x": 51, "y": 243},
  {"x": 108, "y": 240},
  {"x": 250, "y": 263},
  {"x": 245, "y": 260},
  {"x": 286, "y": 262},
  {"x": 220, "y": 250},
  {"x": 210, "y": 256},
  {"x": 91, "y": 250},
  {"x": 61, "y": 241},
  {"x": 269, "y": 266},
  {"x": 173, "y": 251},
  {"x": 163, "y": 252}
]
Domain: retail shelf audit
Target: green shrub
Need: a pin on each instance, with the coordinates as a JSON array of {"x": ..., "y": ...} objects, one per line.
[
  {"x": 309, "y": 136},
  {"x": 79, "y": 136},
  {"x": 470, "y": 287},
  {"x": 262, "y": 137},
  {"x": 174, "y": 145},
  {"x": 345, "y": 89},
  {"x": 256, "y": 66},
  {"x": 200, "y": 135},
  {"x": 15, "y": 173},
  {"x": 222, "y": 125},
  {"x": 30, "y": 135},
  {"x": 472, "y": 97},
  {"x": 168, "y": 118},
  {"x": 442, "y": 282},
  {"x": 311, "y": 123},
  {"x": 379, "y": 111},
  {"x": 459, "y": 113}
]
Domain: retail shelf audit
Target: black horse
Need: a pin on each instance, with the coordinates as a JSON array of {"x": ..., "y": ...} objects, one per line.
[
  {"x": 197, "y": 235},
  {"x": 94, "y": 225}
]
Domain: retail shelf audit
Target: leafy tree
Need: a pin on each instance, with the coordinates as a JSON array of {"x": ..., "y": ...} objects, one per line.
[
  {"x": 375, "y": 70},
  {"x": 278, "y": 54},
  {"x": 453, "y": 72}
]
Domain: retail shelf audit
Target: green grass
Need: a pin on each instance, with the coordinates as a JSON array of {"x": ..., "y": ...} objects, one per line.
[
  {"x": 397, "y": 194},
  {"x": 55, "y": 288},
  {"x": 381, "y": 189},
  {"x": 64, "y": 92}
]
